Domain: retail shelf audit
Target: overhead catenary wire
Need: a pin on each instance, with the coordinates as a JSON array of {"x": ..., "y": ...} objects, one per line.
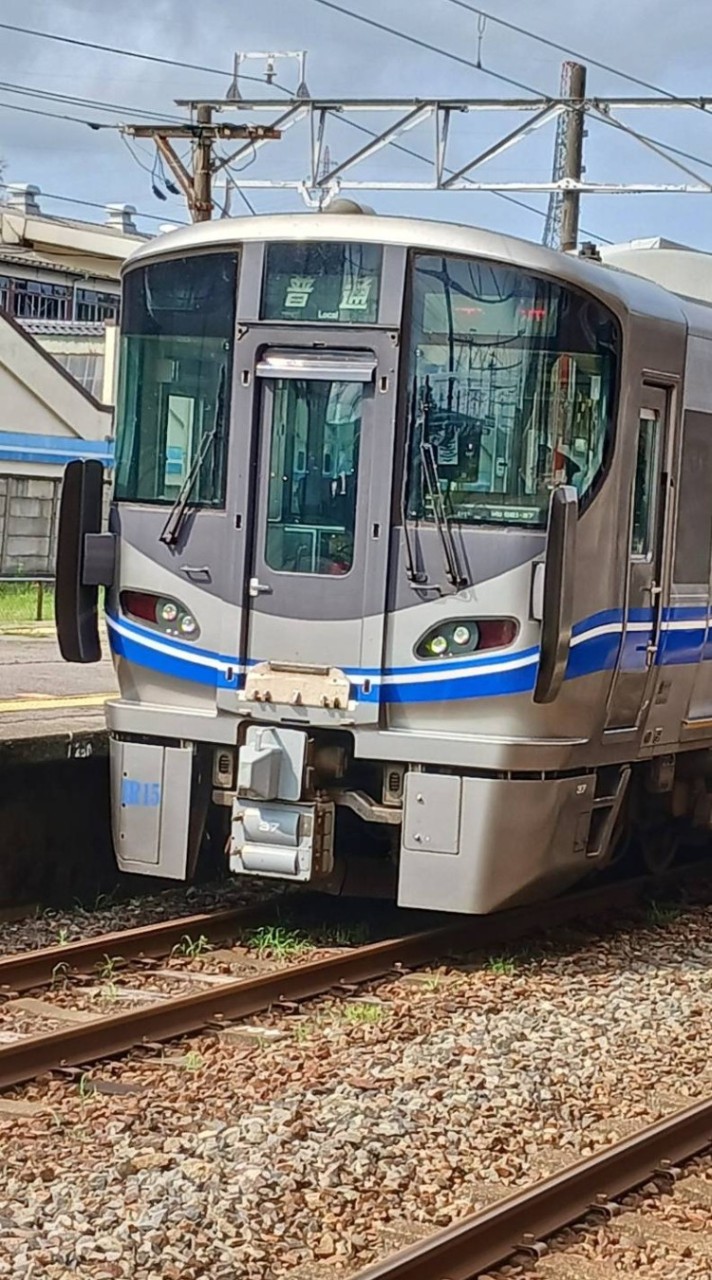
[
  {"x": 654, "y": 143},
  {"x": 431, "y": 48},
  {"x": 573, "y": 53}
]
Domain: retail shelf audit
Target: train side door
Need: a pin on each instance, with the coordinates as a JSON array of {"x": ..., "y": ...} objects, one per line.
[{"x": 632, "y": 684}]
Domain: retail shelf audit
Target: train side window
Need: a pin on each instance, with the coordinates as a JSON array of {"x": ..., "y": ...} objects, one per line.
[
  {"x": 693, "y": 535},
  {"x": 645, "y": 489}
]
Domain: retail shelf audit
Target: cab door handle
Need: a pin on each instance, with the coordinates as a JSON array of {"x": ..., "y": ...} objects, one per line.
[{"x": 257, "y": 588}]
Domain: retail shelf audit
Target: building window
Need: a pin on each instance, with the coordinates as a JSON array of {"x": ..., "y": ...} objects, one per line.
[
  {"x": 39, "y": 300},
  {"x": 36, "y": 300},
  {"x": 86, "y": 366},
  {"x": 94, "y": 306}
]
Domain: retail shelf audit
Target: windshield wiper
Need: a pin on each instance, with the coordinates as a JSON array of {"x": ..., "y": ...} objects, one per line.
[
  {"x": 171, "y": 529},
  {"x": 414, "y": 575},
  {"x": 453, "y": 571}
]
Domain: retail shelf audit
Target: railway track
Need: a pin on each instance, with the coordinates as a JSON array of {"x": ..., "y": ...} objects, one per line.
[
  {"x": 519, "y": 1224},
  {"x": 29, "y": 969},
  {"x": 224, "y": 998}
]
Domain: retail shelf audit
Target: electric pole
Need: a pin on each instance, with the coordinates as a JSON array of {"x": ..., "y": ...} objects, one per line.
[
  {"x": 197, "y": 185},
  {"x": 573, "y": 157}
]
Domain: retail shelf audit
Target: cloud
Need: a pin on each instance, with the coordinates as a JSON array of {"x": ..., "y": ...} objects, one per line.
[{"x": 349, "y": 58}]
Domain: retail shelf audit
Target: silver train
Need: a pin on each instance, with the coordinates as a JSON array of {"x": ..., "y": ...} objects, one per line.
[{"x": 408, "y": 561}]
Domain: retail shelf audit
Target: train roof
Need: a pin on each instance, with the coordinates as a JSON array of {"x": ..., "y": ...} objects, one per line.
[
  {"x": 624, "y": 290},
  {"x": 679, "y": 268}
]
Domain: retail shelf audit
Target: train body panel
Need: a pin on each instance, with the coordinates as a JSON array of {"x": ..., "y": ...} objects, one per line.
[{"x": 413, "y": 555}]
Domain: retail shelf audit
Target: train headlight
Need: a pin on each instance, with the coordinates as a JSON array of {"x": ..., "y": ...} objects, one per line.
[
  {"x": 168, "y": 611},
  {"x": 166, "y": 615},
  {"x": 438, "y": 645},
  {"x": 455, "y": 639}
]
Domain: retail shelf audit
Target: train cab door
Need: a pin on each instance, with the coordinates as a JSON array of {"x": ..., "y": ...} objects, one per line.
[
  {"x": 320, "y": 517},
  {"x": 634, "y": 676}
]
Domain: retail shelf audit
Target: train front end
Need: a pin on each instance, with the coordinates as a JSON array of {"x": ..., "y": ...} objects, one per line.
[{"x": 357, "y": 516}]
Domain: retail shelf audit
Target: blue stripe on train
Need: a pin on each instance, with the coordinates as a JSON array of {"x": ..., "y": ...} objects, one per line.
[{"x": 685, "y": 639}]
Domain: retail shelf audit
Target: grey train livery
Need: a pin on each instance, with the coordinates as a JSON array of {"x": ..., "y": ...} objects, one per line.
[{"x": 407, "y": 565}]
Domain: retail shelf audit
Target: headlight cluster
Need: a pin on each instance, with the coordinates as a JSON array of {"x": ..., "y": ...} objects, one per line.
[
  {"x": 160, "y": 611},
  {"x": 458, "y": 637}
]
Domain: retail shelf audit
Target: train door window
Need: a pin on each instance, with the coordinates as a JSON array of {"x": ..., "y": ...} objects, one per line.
[
  {"x": 645, "y": 485},
  {"x": 311, "y": 496}
]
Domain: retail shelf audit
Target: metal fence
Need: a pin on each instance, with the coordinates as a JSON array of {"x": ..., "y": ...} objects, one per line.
[{"x": 29, "y": 507}]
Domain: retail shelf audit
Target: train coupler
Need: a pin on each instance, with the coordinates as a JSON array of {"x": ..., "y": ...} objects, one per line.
[
  {"x": 291, "y": 841},
  {"x": 274, "y": 830}
]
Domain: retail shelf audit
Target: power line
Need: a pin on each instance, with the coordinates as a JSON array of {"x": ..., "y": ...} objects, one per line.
[
  {"x": 107, "y": 48},
  {"x": 125, "y": 53},
  {"x": 53, "y": 115},
  {"x": 580, "y": 57},
  {"x": 29, "y": 91},
  {"x": 654, "y": 145},
  {"x": 94, "y": 204},
  {"x": 430, "y": 48},
  {"x": 604, "y": 118}
]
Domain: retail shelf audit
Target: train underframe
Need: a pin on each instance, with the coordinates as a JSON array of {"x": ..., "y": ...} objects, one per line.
[{"x": 296, "y": 805}]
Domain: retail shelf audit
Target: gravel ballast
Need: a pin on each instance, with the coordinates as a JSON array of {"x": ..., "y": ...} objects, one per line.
[
  {"x": 108, "y": 914},
  {"x": 329, "y": 1136}
]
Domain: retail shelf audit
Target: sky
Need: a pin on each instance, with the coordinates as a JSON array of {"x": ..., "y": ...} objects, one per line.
[{"x": 348, "y": 58}]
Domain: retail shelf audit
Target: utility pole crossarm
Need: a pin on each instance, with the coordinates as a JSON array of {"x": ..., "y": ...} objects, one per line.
[
  {"x": 197, "y": 187},
  {"x": 208, "y": 133}
]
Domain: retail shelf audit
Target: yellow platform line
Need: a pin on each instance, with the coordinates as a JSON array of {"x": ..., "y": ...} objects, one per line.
[{"x": 44, "y": 702}]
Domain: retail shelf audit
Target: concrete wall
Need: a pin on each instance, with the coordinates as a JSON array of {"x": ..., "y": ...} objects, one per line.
[{"x": 28, "y": 526}]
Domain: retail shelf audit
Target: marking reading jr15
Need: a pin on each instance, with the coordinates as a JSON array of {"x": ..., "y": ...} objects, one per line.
[{"x": 140, "y": 793}]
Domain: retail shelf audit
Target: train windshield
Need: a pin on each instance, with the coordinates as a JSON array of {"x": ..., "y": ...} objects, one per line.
[
  {"x": 178, "y": 323},
  {"x": 511, "y": 390}
]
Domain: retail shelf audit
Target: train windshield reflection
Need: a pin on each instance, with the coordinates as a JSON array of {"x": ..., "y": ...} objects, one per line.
[{"x": 511, "y": 381}]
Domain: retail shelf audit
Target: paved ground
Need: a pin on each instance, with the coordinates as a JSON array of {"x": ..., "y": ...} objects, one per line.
[{"x": 41, "y": 696}]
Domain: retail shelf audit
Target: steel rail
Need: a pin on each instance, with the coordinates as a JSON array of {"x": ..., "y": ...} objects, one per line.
[
  {"x": 23, "y": 970},
  {"x": 27, "y": 969},
  {"x": 177, "y": 1016},
  {"x": 485, "y": 1239}
]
